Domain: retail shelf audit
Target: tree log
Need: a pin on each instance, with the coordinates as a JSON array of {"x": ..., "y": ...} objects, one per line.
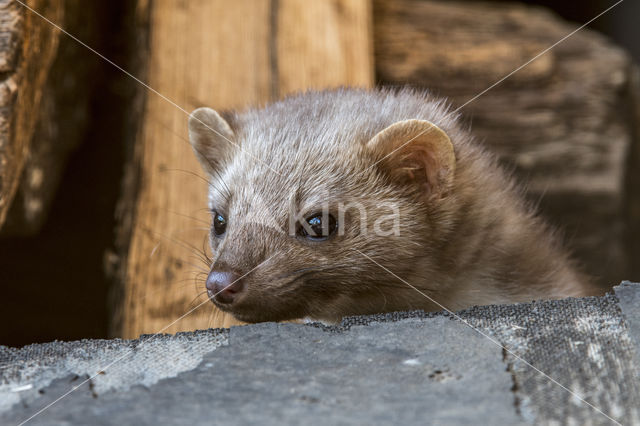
[
  {"x": 223, "y": 55},
  {"x": 561, "y": 123},
  {"x": 632, "y": 183},
  {"x": 63, "y": 117},
  {"x": 27, "y": 48}
]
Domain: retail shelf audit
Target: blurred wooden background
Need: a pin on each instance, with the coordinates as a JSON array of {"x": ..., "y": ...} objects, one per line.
[{"x": 567, "y": 125}]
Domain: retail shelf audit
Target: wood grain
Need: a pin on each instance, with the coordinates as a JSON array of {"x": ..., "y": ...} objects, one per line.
[
  {"x": 63, "y": 116},
  {"x": 561, "y": 123},
  {"x": 201, "y": 53},
  {"x": 323, "y": 44},
  {"x": 27, "y": 48},
  {"x": 632, "y": 181},
  {"x": 223, "y": 55}
]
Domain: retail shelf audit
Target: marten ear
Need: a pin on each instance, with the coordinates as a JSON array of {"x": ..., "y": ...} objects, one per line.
[
  {"x": 416, "y": 152},
  {"x": 211, "y": 138}
]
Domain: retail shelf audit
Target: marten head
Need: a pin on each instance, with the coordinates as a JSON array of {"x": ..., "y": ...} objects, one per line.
[{"x": 309, "y": 193}]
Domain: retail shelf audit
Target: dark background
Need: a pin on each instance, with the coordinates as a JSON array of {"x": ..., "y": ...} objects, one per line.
[{"x": 53, "y": 285}]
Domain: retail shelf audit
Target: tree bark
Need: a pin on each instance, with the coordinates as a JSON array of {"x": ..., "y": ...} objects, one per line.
[
  {"x": 560, "y": 122},
  {"x": 63, "y": 117},
  {"x": 223, "y": 55},
  {"x": 27, "y": 48},
  {"x": 632, "y": 181}
]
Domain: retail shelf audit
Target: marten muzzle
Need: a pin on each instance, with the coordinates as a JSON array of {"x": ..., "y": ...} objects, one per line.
[{"x": 224, "y": 287}]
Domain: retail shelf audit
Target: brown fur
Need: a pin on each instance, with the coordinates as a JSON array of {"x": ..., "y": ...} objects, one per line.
[{"x": 466, "y": 237}]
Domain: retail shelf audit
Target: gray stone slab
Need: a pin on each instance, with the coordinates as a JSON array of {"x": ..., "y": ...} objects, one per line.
[
  {"x": 399, "y": 368},
  {"x": 416, "y": 371},
  {"x": 566, "y": 350},
  {"x": 25, "y": 371},
  {"x": 628, "y": 295}
]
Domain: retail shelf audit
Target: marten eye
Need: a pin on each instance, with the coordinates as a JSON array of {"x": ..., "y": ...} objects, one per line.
[
  {"x": 320, "y": 227},
  {"x": 219, "y": 224}
]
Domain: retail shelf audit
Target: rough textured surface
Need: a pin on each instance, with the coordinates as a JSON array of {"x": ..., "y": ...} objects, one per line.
[
  {"x": 64, "y": 113},
  {"x": 253, "y": 56},
  {"x": 564, "y": 123},
  {"x": 629, "y": 297},
  {"x": 403, "y": 368},
  {"x": 27, "y": 49},
  {"x": 162, "y": 356}
]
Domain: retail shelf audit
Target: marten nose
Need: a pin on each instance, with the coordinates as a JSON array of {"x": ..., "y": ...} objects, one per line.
[{"x": 224, "y": 287}]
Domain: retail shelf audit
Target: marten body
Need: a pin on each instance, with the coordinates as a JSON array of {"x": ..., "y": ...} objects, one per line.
[{"x": 329, "y": 204}]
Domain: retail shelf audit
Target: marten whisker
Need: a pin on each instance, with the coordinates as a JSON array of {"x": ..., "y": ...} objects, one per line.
[
  {"x": 200, "y": 255},
  {"x": 322, "y": 268},
  {"x": 189, "y": 172},
  {"x": 175, "y": 284},
  {"x": 190, "y": 217},
  {"x": 191, "y": 248},
  {"x": 204, "y": 250},
  {"x": 228, "y": 191},
  {"x": 195, "y": 300},
  {"x": 192, "y": 228},
  {"x": 185, "y": 140},
  {"x": 356, "y": 159},
  {"x": 197, "y": 267},
  {"x": 203, "y": 258}
]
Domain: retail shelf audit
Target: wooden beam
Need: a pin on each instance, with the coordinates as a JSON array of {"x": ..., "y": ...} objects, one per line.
[
  {"x": 321, "y": 44},
  {"x": 562, "y": 123},
  {"x": 223, "y": 55}
]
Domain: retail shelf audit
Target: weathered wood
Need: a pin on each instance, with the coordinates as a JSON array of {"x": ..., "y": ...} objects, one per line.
[
  {"x": 632, "y": 182},
  {"x": 556, "y": 122},
  {"x": 27, "y": 48},
  {"x": 202, "y": 66},
  {"x": 323, "y": 44},
  {"x": 64, "y": 115},
  {"x": 223, "y": 55},
  {"x": 116, "y": 259}
]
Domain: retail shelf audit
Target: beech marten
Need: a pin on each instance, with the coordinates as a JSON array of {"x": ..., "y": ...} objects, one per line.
[{"x": 313, "y": 196}]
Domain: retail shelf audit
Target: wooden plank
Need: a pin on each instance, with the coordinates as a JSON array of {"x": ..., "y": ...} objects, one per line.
[
  {"x": 202, "y": 52},
  {"x": 555, "y": 122},
  {"x": 223, "y": 55},
  {"x": 27, "y": 48},
  {"x": 323, "y": 44}
]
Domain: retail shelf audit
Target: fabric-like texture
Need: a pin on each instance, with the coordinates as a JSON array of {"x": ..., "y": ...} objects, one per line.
[{"x": 401, "y": 368}]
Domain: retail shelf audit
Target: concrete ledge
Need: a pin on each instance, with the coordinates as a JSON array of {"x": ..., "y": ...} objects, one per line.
[{"x": 402, "y": 368}]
